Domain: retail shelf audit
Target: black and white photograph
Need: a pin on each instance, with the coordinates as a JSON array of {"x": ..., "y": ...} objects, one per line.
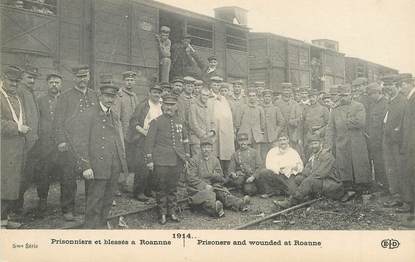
[{"x": 207, "y": 115}]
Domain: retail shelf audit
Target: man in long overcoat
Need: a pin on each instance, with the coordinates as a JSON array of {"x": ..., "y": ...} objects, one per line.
[
  {"x": 346, "y": 129},
  {"x": 13, "y": 131}
]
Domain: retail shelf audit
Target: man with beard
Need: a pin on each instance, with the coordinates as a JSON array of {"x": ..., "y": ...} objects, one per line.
[
  {"x": 282, "y": 173},
  {"x": 13, "y": 132},
  {"x": 205, "y": 184},
  {"x": 145, "y": 112},
  {"x": 26, "y": 92},
  {"x": 102, "y": 156},
  {"x": 253, "y": 121},
  {"x": 49, "y": 164},
  {"x": 177, "y": 86},
  {"x": 292, "y": 115},
  {"x": 320, "y": 177},
  {"x": 164, "y": 46},
  {"x": 345, "y": 136},
  {"x": 245, "y": 162},
  {"x": 167, "y": 151},
  {"x": 72, "y": 105},
  {"x": 374, "y": 123},
  {"x": 221, "y": 113},
  {"x": 200, "y": 123},
  {"x": 314, "y": 121},
  {"x": 274, "y": 122}
]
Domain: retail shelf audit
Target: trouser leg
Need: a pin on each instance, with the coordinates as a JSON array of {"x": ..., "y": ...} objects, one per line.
[
  {"x": 204, "y": 199},
  {"x": 225, "y": 166},
  {"x": 173, "y": 180},
  {"x": 94, "y": 202},
  {"x": 165, "y": 69},
  {"x": 6, "y": 206},
  {"x": 308, "y": 186},
  {"x": 393, "y": 168},
  {"x": 229, "y": 200},
  {"x": 68, "y": 186},
  {"x": 141, "y": 176},
  {"x": 379, "y": 166},
  {"x": 265, "y": 147},
  {"x": 167, "y": 178}
]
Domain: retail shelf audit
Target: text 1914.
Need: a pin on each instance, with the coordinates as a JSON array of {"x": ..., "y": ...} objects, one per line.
[{"x": 182, "y": 235}]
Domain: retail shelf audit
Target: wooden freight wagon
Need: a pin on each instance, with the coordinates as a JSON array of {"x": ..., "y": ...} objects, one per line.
[
  {"x": 116, "y": 35},
  {"x": 356, "y": 67},
  {"x": 327, "y": 67},
  {"x": 274, "y": 59}
]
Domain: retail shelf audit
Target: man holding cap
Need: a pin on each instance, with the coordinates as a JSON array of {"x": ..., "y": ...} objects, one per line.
[
  {"x": 164, "y": 46},
  {"x": 321, "y": 177},
  {"x": 345, "y": 137},
  {"x": 182, "y": 58},
  {"x": 71, "y": 107},
  {"x": 49, "y": 168},
  {"x": 13, "y": 132},
  {"x": 144, "y": 113},
  {"x": 102, "y": 157},
  {"x": 167, "y": 151}
]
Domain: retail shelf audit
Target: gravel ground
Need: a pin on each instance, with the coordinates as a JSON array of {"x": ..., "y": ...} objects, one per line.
[{"x": 323, "y": 215}]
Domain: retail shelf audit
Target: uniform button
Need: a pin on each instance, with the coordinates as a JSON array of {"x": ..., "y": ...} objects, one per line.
[
  {"x": 51, "y": 112},
  {"x": 80, "y": 100},
  {"x": 102, "y": 147},
  {"x": 103, "y": 126},
  {"x": 101, "y": 157},
  {"x": 103, "y": 137},
  {"x": 103, "y": 120},
  {"x": 81, "y": 111}
]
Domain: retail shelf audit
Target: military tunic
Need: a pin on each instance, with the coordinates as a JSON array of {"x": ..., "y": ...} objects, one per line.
[
  {"x": 292, "y": 114},
  {"x": 167, "y": 146},
  {"x": 245, "y": 163},
  {"x": 207, "y": 171},
  {"x": 253, "y": 123},
  {"x": 314, "y": 122},
  {"x": 200, "y": 124},
  {"x": 274, "y": 124},
  {"x": 237, "y": 104},
  {"x": 70, "y": 125}
]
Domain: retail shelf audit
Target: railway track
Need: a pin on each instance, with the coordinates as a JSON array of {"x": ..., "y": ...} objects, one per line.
[{"x": 118, "y": 220}]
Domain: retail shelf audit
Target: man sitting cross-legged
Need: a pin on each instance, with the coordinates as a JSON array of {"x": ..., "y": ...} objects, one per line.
[
  {"x": 282, "y": 173},
  {"x": 321, "y": 177},
  {"x": 205, "y": 181}
]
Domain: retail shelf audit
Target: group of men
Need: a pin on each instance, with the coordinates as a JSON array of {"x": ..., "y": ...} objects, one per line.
[{"x": 213, "y": 138}]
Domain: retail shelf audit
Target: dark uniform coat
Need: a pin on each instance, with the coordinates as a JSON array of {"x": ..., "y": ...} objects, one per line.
[
  {"x": 346, "y": 131},
  {"x": 47, "y": 111},
  {"x": 315, "y": 120},
  {"x": 167, "y": 141},
  {"x": 292, "y": 115},
  {"x": 253, "y": 123},
  {"x": 183, "y": 108},
  {"x": 12, "y": 149},
  {"x": 274, "y": 122},
  {"x": 247, "y": 161},
  {"x": 32, "y": 115}
]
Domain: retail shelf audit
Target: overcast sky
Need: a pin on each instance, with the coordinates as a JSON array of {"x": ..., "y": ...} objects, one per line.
[{"x": 381, "y": 31}]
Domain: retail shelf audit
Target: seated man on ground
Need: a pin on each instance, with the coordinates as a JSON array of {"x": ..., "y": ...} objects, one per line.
[
  {"x": 282, "y": 173},
  {"x": 245, "y": 162},
  {"x": 205, "y": 181},
  {"x": 321, "y": 177}
]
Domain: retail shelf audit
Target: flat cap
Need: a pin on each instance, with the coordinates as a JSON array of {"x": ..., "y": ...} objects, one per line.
[
  {"x": 217, "y": 79},
  {"x": 128, "y": 74},
  {"x": 259, "y": 83},
  {"x": 198, "y": 82},
  {"x": 187, "y": 36},
  {"x": 303, "y": 90},
  {"x": 177, "y": 79},
  {"x": 251, "y": 90},
  {"x": 165, "y": 29},
  {"x": 81, "y": 70},
  {"x": 286, "y": 85},
  {"x": 237, "y": 82},
  {"x": 109, "y": 89},
  {"x": 106, "y": 78},
  {"x": 54, "y": 74},
  {"x": 170, "y": 99},
  {"x": 314, "y": 137},
  {"x": 13, "y": 73},
  {"x": 189, "y": 80},
  {"x": 212, "y": 57},
  {"x": 162, "y": 85},
  {"x": 313, "y": 92},
  {"x": 242, "y": 136},
  {"x": 206, "y": 141},
  {"x": 267, "y": 92},
  {"x": 158, "y": 87},
  {"x": 31, "y": 70}
]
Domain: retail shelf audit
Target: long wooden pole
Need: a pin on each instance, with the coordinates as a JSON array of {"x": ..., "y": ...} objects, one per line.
[{"x": 276, "y": 214}]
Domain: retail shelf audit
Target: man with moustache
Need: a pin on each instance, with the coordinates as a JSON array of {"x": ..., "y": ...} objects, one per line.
[
  {"x": 72, "y": 105},
  {"x": 49, "y": 169},
  {"x": 167, "y": 151},
  {"x": 145, "y": 112},
  {"x": 102, "y": 157},
  {"x": 177, "y": 86},
  {"x": 13, "y": 132},
  {"x": 185, "y": 100},
  {"x": 237, "y": 101}
]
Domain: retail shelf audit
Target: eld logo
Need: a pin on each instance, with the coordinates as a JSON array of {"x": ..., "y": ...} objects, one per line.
[{"x": 390, "y": 243}]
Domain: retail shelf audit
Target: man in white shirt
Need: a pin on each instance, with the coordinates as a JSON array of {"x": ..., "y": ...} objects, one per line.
[{"x": 282, "y": 173}]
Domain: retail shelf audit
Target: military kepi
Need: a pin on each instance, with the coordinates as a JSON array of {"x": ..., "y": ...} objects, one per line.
[
  {"x": 170, "y": 99},
  {"x": 81, "y": 70},
  {"x": 128, "y": 74},
  {"x": 109, "y": 89}
]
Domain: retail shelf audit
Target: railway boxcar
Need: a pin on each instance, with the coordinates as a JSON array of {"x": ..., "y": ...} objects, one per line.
[
  {"x": 275, "y": 59},
  {"x": 114, "y": 36},
  {"x": 356, "y": 67}
]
